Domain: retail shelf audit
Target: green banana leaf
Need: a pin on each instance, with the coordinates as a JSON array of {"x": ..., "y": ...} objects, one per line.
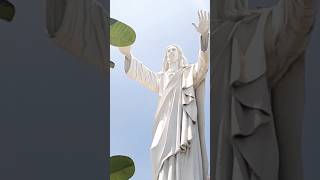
[
  {"x": 121, "y": 34},
  {"x": 7, "y": 10},
  {"x": 121, "y": 168}
]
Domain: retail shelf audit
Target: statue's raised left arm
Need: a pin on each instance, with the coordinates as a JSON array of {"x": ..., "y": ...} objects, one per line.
[{"x": 201, "y": 66}]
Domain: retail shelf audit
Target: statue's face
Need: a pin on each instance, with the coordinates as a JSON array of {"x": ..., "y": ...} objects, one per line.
[{"x": 172, "y": 54}]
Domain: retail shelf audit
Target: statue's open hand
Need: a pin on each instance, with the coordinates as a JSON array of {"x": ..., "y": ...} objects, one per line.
[
  {"x": 125, "y": 50},
  {"x": 204, "y": 22}
]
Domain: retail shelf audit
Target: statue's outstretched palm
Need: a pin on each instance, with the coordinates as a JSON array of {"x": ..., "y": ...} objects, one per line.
[{"x": 204, "y": 22}]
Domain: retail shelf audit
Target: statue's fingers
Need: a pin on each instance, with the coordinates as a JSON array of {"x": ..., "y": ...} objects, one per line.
[
  {"x": 195, "y": 26},
  {"x": 199, "y": 16},
  {"x": 205, "y": 16},
  {"x": 202, "y": 15}
]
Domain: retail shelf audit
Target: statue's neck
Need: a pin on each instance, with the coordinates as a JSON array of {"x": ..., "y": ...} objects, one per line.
[{"x": 173, "y": 67}]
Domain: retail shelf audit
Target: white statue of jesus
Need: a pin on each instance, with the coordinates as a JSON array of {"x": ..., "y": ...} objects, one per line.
[{"x": 178, "y": 147}]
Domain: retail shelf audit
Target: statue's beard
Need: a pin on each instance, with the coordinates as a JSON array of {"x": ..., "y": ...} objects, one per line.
[
  {"x": 174, "y": 64},
  {"x": 173, "y": 61}
]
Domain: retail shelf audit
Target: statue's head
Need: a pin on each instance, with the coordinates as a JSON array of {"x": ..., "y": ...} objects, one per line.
[{"x": 173, "y": 54}]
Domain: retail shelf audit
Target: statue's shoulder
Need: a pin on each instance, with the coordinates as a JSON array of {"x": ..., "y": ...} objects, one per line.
[
  {"x": 188, "y": 66},
  {"x": 159, "y": 74},
  {"x": 188, "y": 69}
]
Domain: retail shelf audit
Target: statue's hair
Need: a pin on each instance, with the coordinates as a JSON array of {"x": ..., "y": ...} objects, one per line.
[{"x": 182, "y": 59}]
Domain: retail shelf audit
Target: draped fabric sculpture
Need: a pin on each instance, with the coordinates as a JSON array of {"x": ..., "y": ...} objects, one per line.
[{"x": 257, "y": 98}]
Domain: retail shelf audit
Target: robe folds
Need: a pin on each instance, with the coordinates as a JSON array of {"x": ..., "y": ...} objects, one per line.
[
  {"x": 257, "y": 102},
  {"x": 81, "y": 28},
  {"x": 178, "y": 150}
]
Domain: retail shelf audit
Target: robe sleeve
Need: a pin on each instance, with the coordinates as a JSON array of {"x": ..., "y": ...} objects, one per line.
[
  {"x": 202, "y": 65},
  {"x": 292, "y": 23},
  {"x": 137, "y": 71},
  {"x": 296, "y": 16}
]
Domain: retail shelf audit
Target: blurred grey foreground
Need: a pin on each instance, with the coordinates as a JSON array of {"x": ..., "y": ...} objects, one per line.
[{"x": 257, "y": 80}]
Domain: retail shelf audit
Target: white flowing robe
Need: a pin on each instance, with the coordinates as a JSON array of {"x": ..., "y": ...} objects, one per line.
[{"x": 178, "y": 148}]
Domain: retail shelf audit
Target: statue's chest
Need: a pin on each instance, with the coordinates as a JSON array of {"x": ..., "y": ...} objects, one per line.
[
  {"x": 171, "y": 82},
  {"x": 172, "y": 79}
]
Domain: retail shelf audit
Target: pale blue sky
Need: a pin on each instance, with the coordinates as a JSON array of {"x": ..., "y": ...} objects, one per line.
[{"x": 157, "y": 25}]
